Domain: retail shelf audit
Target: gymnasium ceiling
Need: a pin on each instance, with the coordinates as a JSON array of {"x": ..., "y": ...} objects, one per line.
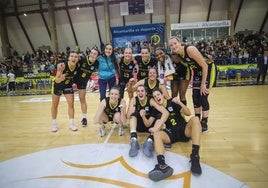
[{"x": 19, "y": 7}]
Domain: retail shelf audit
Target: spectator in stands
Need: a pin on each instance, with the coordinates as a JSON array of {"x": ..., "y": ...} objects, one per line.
[
  {"x": 11, "y": 82},
  {"x": 63, "y": 85},
  {"x": 42, "y": 67},
  {"x": 262, "y": 66},
  {"x": 108, "y": 69}
]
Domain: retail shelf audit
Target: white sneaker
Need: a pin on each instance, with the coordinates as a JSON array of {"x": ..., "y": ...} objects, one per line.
[
  {"x": 102, "y": 130},
  {"x": 121, "y": 131},
  {"x": 73, "y": 128},
  {"x": 54, "y": 128}
]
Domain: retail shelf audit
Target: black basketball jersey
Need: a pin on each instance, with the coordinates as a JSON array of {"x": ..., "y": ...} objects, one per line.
[
  {"x": 109, "y": 110},
  {"x": 69, "y": 75},
  {"x": 126, "y": 70},
  {"x": 144, "y": 66},
  {"x": 189, "y": 61},
  {"x": 176, "y": 118},
  {"x": 146, "y": 107},
  {"x": 85, "y": 70},
  {"x": 150, "y": 88}
]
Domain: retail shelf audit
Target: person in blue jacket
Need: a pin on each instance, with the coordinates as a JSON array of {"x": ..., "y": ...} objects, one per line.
[{"x": 108, "y": 69}]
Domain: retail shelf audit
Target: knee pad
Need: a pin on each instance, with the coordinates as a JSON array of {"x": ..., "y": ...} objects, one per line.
[
  {"x": 205, "y": 103},
  {"x": 196, "y": 98}
]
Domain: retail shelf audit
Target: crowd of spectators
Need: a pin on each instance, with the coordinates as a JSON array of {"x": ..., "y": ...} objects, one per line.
[
  {"x": 238, "y": 49},
  {"x": 41, "y": 61}
]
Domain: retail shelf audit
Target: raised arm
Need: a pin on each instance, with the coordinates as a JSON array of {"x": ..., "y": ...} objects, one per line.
[
  {"x": 100, "y": 111},
  {"x": 132, "y": 86},
  {"x": 59, "y": 75},
  {"x": 185, "y": 110},
  {"x": 131, "y": 107},
  {"x": 163, "y": 88},
  {"x": 164, "y": 116}
]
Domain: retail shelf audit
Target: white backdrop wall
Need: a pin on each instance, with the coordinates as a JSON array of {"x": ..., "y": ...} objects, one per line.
[{"x": 251, "y": 18}]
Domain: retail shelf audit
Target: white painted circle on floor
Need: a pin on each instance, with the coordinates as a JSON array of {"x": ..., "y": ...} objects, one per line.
[{"x": 102, "y": 166}]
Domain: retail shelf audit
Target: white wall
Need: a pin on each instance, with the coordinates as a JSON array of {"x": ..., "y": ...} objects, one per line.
[{"x": 251, "y": 17}]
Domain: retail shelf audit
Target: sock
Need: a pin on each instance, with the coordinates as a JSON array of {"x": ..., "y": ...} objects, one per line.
[
  {"x": 150, "y": 138},
  {"x": 161, "y": 159},
  {"x": 195, "y": 150},
  {"x": 133, "y": 135},
  {"x": 54, "y": 122},
  {"x": 84, "y": 115},
  {"x": 204, "y": 119},
  {"x": 184, "y": 102},
  {"x": 198, "y": 115},
  {"x": 71, "y": 121}
]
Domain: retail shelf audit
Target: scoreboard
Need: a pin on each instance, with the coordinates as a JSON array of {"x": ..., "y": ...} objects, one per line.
[
  {"x": 136, "y": 7},
  {"x": 131, "y": 7}
]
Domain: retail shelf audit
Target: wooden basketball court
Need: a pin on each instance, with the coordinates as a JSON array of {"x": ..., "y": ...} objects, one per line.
[{"x": 236, "y": 144}]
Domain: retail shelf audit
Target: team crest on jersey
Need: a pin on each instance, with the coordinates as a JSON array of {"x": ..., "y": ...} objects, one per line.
[
  {"x": 188, "y": 59},
  {"x": 170, "y": 109}
]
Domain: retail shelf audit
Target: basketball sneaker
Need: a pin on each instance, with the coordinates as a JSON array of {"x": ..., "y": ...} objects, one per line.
[
  {"x": 73, "y": 127},
  {"x": 102, "y": 131},
  {"x": 148, "y": 148},
  {"x": 195, "y": 165},
  {"x": 84, "y": 122},
  {"x": 160, "y": 172},
  {"x": 121, "y": 130},
  {"x": 168, "y": 145},
  {"x": 54, "y": 128},
  {"x": 134, "y": 148},
  {"x": 204, "y": 126}
]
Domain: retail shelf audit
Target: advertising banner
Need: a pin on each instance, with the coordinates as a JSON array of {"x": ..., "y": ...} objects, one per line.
[{"x": 136, "y": 36}]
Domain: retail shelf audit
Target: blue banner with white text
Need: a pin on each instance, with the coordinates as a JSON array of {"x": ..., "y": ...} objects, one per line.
[{"x": 136, "y": 36}]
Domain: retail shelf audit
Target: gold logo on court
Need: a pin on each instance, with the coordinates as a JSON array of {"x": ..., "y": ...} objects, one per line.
[{"x": 186, "y": 175}]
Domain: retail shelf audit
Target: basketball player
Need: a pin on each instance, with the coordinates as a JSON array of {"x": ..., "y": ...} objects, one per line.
[
  {"x": 176, "y": 129},
  {"x": 63, "y": 85},
  {"x": 86, "y": 66},
  {"x": 150, "y": 83},
  {"x": 195, "y": 60},
  {"x": 141, "y": 118},
  {"x": 127, "y": 66},
  {"x": 201, "y": 102},
  {"x": 144, "y": 62},
  {"x": 192, "y": 57},
  {"x": 111, "y": 108}
]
